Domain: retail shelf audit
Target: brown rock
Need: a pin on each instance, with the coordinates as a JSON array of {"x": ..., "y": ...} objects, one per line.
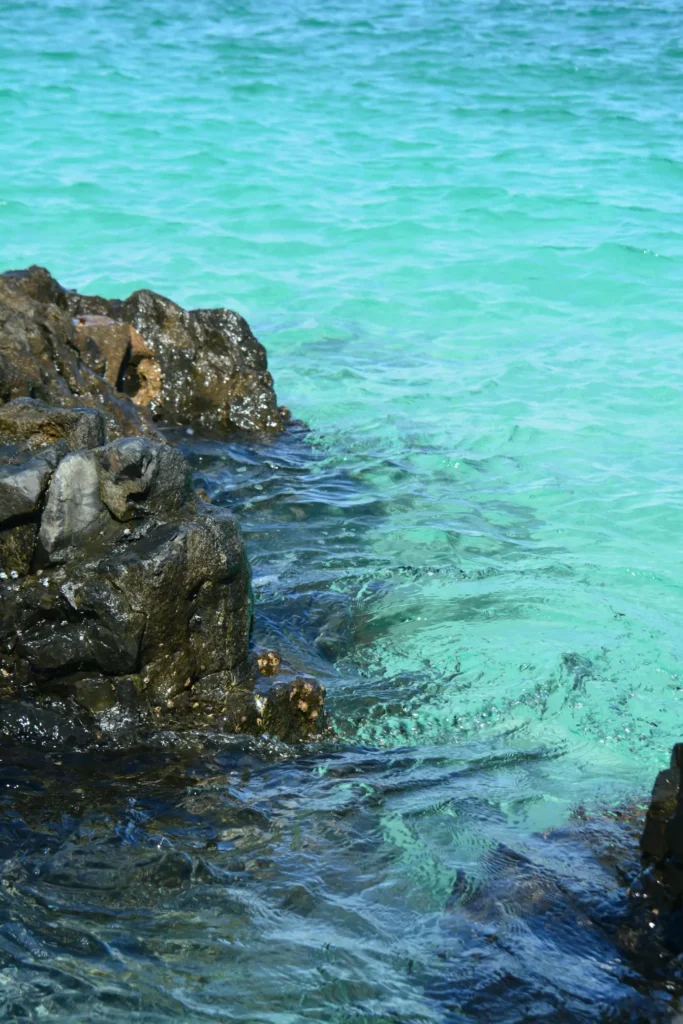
[
  {"x": 144, "y": 362},
  {"x": 268, "y": 663}
]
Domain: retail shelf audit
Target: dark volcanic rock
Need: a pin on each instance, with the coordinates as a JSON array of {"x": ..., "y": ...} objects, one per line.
[
  {"x": 562, "y": 905},
  {"x": 144, "y": 362},
  {"x": 123, "y": 597},
  {"x": 662, "y": 839}
]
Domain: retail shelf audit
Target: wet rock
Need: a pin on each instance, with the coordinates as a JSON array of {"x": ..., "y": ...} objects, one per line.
[
  {"x": 142, "y": 479},
  {"x": 74, "y": 509},
  {"x": 54, "y": 725},
  {"x": 662, "y": 839},
  {"x": 144, "y": 362},
  {"x": 268, "y": 663},
  {"x": 39, "y": 356},
  {"x": 23, "y": 486},
  {"x": 293, "y": 709},
  {"x": 289, "y": 708},
  {"x": 32, "y": 424},
  {"x": 213, "y": 373},
  {"x": 17, "y": 546},
  {"x": 34, "y": 438},
  {"x": 567, "y": 896},
  {"x": 122, "y": 595}
]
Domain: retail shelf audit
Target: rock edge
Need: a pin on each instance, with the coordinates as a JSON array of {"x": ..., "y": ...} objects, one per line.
[{"x": 144, "y": 362}]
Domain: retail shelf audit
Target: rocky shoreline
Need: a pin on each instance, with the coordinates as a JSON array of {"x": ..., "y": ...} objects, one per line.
[
  {"x": 126, "y": 599},
  {"x": 126, "y": 603}
]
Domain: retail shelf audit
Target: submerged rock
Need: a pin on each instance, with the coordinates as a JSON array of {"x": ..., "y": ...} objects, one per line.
[
  {"x": 144, "y": 362},
  {"x": 124, "y": 598},
  {"x": 562, "y": 922}
]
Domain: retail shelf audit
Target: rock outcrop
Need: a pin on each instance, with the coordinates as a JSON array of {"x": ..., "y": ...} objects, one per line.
[
  {"x": 144, "y": 363},
  {"x": 125, "y": 600},
  {"x": 662, "y": 839}
]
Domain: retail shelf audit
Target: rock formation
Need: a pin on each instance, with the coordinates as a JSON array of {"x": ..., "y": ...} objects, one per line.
[
  {"x": 662, "y": 839},
  {"x": 144, "y": 362},
  {"x": 125, "y": 600}
]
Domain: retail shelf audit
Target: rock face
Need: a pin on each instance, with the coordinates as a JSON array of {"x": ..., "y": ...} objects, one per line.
[
  {"x": 125, "y": 601},
  {"x": 144, "y": 362},
  {"x": 662, "y": 839}
]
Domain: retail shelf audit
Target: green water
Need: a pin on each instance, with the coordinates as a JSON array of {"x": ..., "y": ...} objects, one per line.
[{"x": 457, "y": 228}]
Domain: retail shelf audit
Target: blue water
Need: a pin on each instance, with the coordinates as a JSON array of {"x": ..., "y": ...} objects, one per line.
[{"x": 457, "y": 228}]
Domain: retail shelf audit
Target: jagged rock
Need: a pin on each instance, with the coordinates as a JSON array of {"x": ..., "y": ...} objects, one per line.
[
  {"x": 22, "y": 487},
  {"x": 144, "y": 362},
  {"x": 292, "y": 707},
  {"x": 213, "y": 373},
  {"x": 34, "y": 438},
  {"x": 141, "y": 479},
  {"x": 662, "y": 839},
  {"x": 74, "y": 509},
  {"x": 122, "y": 593},
  {"x": 39, "y": 358}
]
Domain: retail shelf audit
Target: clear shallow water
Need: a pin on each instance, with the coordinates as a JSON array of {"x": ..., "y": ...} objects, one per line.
[{"x": 457, "y": 229}]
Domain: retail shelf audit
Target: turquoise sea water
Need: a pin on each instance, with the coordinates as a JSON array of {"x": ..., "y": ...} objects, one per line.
[{"x": 458, "y": 229}]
